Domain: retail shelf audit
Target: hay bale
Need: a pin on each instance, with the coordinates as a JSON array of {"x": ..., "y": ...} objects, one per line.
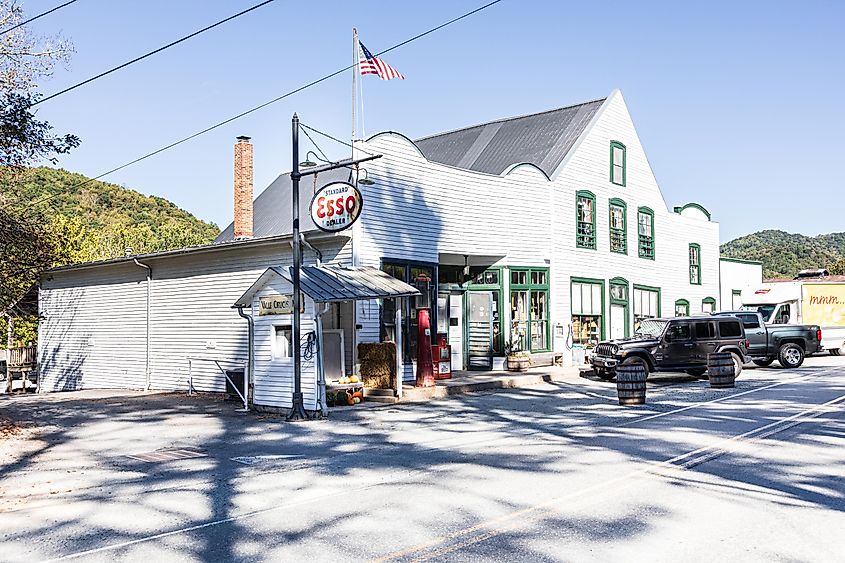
[{"x": 378, "y": 364}]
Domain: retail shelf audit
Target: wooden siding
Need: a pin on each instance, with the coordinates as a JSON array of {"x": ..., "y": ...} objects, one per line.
[
  {"x": 191, "y": 315},
  {"x": 274, "y": 377},
  {"x": 92, "y": 332}
]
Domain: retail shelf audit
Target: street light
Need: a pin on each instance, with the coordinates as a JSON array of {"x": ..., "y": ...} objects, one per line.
[
  {"x": 365, "y": 181},
  {"x": 308, "y": 163},
  {"x": 297, "y": 411}
]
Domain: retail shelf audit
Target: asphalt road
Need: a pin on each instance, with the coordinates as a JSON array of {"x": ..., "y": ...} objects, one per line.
[{"x": 547, "y": 473}]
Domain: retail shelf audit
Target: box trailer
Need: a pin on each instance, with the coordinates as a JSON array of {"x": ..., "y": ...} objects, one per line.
[{"x": 817, "y": 299}]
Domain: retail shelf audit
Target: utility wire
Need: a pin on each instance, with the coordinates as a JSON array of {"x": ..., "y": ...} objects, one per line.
[
  {"x": 33, "y": 18},
  {"x": 261, "y": 106},
  {"x": 151, "y": 53}
]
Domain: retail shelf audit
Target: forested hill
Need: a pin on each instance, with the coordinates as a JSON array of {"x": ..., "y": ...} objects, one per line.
[
  {"x": 784, "y": 254},
  {"x": 102, "y": 220}
]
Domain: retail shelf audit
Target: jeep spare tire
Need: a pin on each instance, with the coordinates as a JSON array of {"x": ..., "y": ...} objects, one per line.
[
  {"x": 790, "y": 355},
  {"x": 737, "y": 364}
]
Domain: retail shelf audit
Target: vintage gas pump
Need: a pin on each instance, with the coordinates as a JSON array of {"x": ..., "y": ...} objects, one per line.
[{"x": 425, "y": 369}]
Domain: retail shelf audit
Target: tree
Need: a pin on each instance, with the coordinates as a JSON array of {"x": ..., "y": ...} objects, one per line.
[
  {"x": 837, "y": 268},
  {"x": 26, "y": 244}
]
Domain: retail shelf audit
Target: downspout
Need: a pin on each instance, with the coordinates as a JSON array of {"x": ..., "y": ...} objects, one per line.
[
  {"x": 321, "y": 366},
  {"x": 149, "y": 293},
  {"x": 250, "y": 370},
  {"x": 314, "y": 250}
]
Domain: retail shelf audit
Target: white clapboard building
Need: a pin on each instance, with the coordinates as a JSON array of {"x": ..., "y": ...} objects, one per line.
[{"x": 540, "y": 233}]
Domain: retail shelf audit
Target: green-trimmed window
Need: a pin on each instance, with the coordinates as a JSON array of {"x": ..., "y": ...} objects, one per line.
[
  {"x": 708, "y": 305},
  {"x": 646, "y": 304},
  {"x": 618, "y": 226},
  {"x": 681, "y": 308},
  {"x": 695, "y": 264},
  {"x": 587, "y": 311},
  {"x": 585, "y": 229},
  {"x": 617, "y": 163},
  {"x": 491, "y": 280},
  {"x": 529, "y": 292},
  {"x": 645, "y": 232}
]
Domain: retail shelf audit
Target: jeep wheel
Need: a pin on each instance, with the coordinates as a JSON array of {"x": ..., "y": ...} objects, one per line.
[
  {"x": 698, "y": 372},
  {"x": 604, "y": 374},
  {"x": 737, "y": 364},
  {"x": 764, "y": 363},
  {"x": 634, "y": 360},
  {"x": 790, "y": 355}
]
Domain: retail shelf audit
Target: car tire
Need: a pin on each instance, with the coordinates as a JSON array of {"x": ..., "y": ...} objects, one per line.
[
  {"x": 701, "y": 373},
  {"x": 790, "y": 355},
  {"x": 636, "y": 360},
  {"x": 764, "y": 363},
  {"x": 737, "y": 364},
  {"x": 604, "y": 374}
]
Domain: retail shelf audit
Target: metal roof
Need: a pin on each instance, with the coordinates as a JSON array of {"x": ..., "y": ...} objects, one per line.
[
  {"x": 335, "y": 283},
  {"x": 271, "y": 213},
  {"x": 542, "y": 139}
]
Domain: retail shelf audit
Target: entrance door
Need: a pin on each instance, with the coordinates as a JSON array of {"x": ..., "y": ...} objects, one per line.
[
  {"x": 617, "y": 322},
  {"x": 456, "y": 329},
  {"x": 480, "y": 330}
]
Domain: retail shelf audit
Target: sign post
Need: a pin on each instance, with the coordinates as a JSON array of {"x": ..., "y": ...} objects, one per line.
[{"x": 297, "y": 411}]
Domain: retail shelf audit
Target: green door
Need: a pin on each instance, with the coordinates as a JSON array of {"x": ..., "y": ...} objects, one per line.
[{"x": 480, "y": 330}]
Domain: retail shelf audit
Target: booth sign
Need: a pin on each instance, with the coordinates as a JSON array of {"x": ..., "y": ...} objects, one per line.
[
  {"x": 336, "y": 206},
  {"x": 278, "y": 305}
]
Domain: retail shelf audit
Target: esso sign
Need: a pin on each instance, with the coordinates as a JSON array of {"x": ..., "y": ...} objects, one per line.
[{"x": 336, "y": 206}]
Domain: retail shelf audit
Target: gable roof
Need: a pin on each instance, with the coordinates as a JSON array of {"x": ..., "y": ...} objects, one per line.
[
  {"x": 271, "y": 211},
  {"x": 542, "y": 139}
]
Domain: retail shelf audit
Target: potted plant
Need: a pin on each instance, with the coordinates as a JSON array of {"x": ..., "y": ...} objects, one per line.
[{"x": 518, "y": 359}]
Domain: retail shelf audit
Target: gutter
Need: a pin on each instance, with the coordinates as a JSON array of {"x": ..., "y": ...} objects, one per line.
[
  {"x": 149, "y": 294},
  {"x": 249, "y": 389}
]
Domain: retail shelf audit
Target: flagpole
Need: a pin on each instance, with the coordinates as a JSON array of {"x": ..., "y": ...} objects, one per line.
[{"x": 354, "y": 85}]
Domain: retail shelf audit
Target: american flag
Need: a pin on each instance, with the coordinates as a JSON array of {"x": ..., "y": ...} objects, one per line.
[{"x": 373, "y": 65}]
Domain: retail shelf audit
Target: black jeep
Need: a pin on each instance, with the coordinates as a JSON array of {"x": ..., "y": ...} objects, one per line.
[{"x": 677, "y": 344}]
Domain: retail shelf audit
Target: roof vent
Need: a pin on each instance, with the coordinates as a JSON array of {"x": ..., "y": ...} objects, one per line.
[{"x": 812, "y": 273}]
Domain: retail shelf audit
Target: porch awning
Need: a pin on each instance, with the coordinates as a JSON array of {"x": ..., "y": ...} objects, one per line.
[{"x": 335, "y": 283}]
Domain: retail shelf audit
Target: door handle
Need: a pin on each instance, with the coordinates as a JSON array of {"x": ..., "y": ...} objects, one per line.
[{"x": 688, "y": 345}]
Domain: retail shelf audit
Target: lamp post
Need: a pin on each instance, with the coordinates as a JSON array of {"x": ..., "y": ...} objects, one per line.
[{"x": 297, "y": 411}]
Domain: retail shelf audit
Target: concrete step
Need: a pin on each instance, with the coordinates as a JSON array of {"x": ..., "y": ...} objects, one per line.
[{"x": 380, "y": 395}]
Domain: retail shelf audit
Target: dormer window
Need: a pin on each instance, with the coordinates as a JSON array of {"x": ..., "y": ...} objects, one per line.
[{"x": 617, "y": 163}]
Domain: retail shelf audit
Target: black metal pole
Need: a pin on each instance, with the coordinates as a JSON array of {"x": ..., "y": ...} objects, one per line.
[{"x": 298, "y": 408}]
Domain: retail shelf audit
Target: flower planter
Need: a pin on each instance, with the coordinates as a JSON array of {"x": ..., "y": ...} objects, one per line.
[{"x": 518, "y": 363}]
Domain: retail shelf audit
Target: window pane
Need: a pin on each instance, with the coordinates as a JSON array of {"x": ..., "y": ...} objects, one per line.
[
  {"x": 617, "y": 217},
  {"x": 618, "y": 155},
  {"x": 519, "y": 319},
  {"x": 576, "y": 299},
  {"x": 704, "y": 330},
  {"x": 617, "y": 174},
  {"x": 491, "y": 277},
  {"x": 730, "y": 329},
  {"x": 678, "y": 331},
  {"x": 283, "y": 337},
  {"x": 595, "y": 290}
]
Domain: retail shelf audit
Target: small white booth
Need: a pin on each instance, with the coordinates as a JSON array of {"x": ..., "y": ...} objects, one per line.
[{"x": 270, "y": 304}]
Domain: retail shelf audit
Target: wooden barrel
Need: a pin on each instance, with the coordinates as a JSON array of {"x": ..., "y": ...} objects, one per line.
[
  {"x": 630, "y": 384},
  {"x": 721, "y": 370}
]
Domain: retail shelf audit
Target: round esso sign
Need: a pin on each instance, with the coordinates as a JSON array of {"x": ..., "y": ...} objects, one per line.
[{"x": 336, "y": 206}]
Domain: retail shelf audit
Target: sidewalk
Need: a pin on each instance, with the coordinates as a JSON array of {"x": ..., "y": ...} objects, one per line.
[{"x": 473, "y": 381}]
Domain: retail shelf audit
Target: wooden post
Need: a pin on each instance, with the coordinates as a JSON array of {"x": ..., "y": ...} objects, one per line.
[{"x": 10, "y": 333}]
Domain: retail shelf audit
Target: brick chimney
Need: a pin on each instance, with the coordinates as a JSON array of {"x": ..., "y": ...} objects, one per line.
[{"x": 243, "y": 188}]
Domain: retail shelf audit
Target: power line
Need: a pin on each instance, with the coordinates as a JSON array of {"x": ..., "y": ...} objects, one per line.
[
  {"x": 151, "y": 53},
  {"x": 261, "y": 106},
  {"x": 33, "y": 18}
]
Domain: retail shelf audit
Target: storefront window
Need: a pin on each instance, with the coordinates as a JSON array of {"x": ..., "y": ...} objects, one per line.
[
  {"x": 410, "y": 326},
  {"x": 646, "y": 304},
  {"x": 530, "y": 309},
  {"x": 587, "y": 311},
  {"x": 490, "y": 280}
]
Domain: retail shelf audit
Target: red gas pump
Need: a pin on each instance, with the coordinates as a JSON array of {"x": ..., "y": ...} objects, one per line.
[{"x": 425, "y": 369}]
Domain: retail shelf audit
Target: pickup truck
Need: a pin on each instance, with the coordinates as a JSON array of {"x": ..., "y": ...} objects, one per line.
[{"x": 788, "y": 344}]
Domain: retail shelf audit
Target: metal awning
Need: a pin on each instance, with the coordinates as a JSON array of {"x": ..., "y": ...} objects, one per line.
[{"x": 336, "y": 283}]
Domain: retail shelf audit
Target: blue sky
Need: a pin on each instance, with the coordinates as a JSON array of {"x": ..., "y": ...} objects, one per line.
[{"x": 738, "y": 104}]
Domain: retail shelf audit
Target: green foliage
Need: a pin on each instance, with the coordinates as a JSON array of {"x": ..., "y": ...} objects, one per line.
[
  {"x": 97, "y": 221},
  {"x": 784, "y": 254}
]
